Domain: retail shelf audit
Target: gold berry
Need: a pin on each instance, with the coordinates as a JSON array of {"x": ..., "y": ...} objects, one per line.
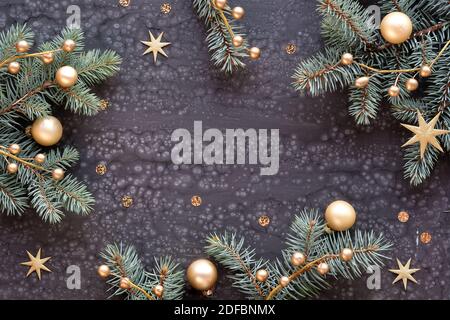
[
  {"x": 254, "y": 53},
  {"x": 58, "y": 174},
  {"x": 262, "y": 275},
  {"x": 14, "y": 67},
  {"x": 284, "y": 281},
  {"x": 158, "y": 290},
  {"x": 298, "y": 259},
  {"x": 40, "y": 158},
  {"x": 69, "y": 45},
  {"x": 238, "y": 12},
  {"x": 362, "y": 82},
  {"x": 47, "y": 58},
  {"x": 125, "y": 283},
  {"x": 22, "y": 46},
  {"x": 346, "y": 254},
  {"x": 412, "y": 85},
  {"x": 12, "y": 168},
  {"x": 66, "y": 77},
  {"x": 238, "y": 41},
  {"x": 221, "y": 4},
  {"x": 394, "y": 91},
  {"x": 347, "y": 59},
  {"x": 425, "y": 71},
  {"x": 104, "y": 271},
  {"x": 14, "y": 148},
  {"x": 323, "y": 268}
]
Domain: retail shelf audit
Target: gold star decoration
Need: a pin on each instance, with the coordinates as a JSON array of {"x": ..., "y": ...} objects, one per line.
[
  {"x": 155, "y": 45},
  {"x": 404, "y": 273},
  {"x": 36, "y": 264},
  {"x": 425, "y": 134}
]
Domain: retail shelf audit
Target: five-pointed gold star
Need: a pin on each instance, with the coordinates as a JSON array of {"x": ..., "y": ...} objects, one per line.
[
  {"x": 36, "y": 264},
  {"x": 404, "y": 273},
  {"x": 155, "y": 45},
  {"x": 425, "y": 134}
]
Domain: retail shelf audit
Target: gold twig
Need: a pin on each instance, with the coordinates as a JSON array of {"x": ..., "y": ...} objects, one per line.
[
  {"x": 28, "y": 55},
  {"x": 24, "y": 162}
]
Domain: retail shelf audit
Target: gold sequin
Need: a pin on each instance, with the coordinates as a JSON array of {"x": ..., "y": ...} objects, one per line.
[
  {"x": 291, "y": 48},
  {"x": 127, "y": 201},
  {"x": 100, "y": 169},
  {"x": 425, "y": 237},
  {"x": 124, "y": 3},
  {"x": 166, "y": 8},
  {"x": 403, "y": 216},
  {"x": 196, "y": 201},
  {"x": 264, "y": 221},
  {"x": 104, "y": 104}
]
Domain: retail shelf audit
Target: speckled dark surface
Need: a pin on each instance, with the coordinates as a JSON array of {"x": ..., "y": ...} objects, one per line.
[{"x": 324, "y": 156}]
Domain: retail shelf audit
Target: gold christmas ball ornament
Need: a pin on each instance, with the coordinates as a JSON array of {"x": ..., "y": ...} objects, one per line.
[
  {"x": 254, "y": 53},
  {"x": 14, "y": 148},
  {"x": 12, "y": 168},
  {"x": 394, "y": 91},
  {"x": 396, "y": 27},
  {"x": 362, "y": 82},
  {"x": 104, "y": 271},
  {"x": 340, "y": 215},
  {"x": 262, "y": 275},
  {"x": 202, "y": 274},
  {"x": 346, "y": 254},
  {"x": 221, "y": 4},
  {"x": 48, "y": 57},
  {"x": 347, "y": 59},
  {"x": 14, "y": 67},
  {"x": 238, "y": 41},
  {"x": 66, "y": 77},
  {"x": 22, "y": 46},
  {"x": 158, "y": 290},
  {"x": 412, "y": 85},
  {"x": 297, "y": 259},
  {"x": 47, "y": 131},
  {"x": 40, "y": 158},
  {"x": 284, "y": 281},
  {"x": 238, "y": 13},
  {"x": 69, "y": 45},
  {"x": 125, "y": 283},
  {"x": 58, "y": 174},
  {"x": 323, "y": 268},
  {"x": 425, "y": 71}
]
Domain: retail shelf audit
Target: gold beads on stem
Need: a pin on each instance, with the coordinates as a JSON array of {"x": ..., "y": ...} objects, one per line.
[
  {"x": 347, "y": 59},
  {"x": 47, "y": 57},
  {"x": 323, "y": 268},
  {"x": 14, "y": 67},
  {"x": 14, "y": 149},
  {"x": 284, "y": 281},
  {"x": 238, "y": 41},
  {"x": 66, "y": 77},
  {"x": 40, "y": 158},
  {"x": 394, "y": 91},
  {"x": 58, "y": 174},
  {"x": 12, "y": 168},
  {"x": 262, "y": 275},
  {"x": 412, "y": 85},
  {"x": 22, "y": 46},
  {"x": 68, "y": 45},
  {"x": 425, "y": 71},
  {"x": 221, "y": 4},
  {"x": 297, "y": 259},
  {"x": 125, "y": 284},
  {"x": 104, "y": 271},
  {"x": 346, "y": 254},
  {"x": 362, "y": 82},
  {"x": 158, "y": 290},
  {"x": 254, "y": 53},
  {"x": 238, "y": 13}
]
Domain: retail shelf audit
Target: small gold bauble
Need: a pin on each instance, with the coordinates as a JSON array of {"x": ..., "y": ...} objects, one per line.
[
  {"x": 347, "y": 59},
  {"x": 48, "y": 57},
  {"x": 323, "y": 268},
  {"x": 47, "y": 131},
  {"x": 69, "y": 45},
  {"x": 254, "y": 53},
  {"x": 40, "y": 158},
  {"x": 238, "y": 41},
  {"x": 262, "y": 275},
  {"x": 66, "y": 76},
  {"x": 425, "y": 71},
  {"x": 238, "y": 13},
  {"x": 22, "y": 46},
  {"x": 158, "y": 290},
  {"x": 58, "y": 174},
  {"x": 14, "y": 148},
  {"x": 346, "y": 254},
  {"x": 412, "y": 85},
  {"x": 104, "y": 271},
  {"x": 221, "y": 4},
  {"x": 298, "y": 259},
  {"x": 284, "y": 281},
  {"x": 202, "y": 274},
  {"x": 125, "y": 283},
  {"x": 340, "y": 215},
  {"x": 396, "y": 27},
  {"x": 394, "y": 91},
  {"x": 14, "y": 67},
  {"x": 12, "y": 168},
  {"x": 362, "y": 82}
]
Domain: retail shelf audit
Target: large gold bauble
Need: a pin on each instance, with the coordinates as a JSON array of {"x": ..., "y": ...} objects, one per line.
[
  {"x": 425, "y": 71},
  {"x": 396, "y": 27},
  {"x": 262, "y": 275},
  {"x": 221, "y": 4},
  {"x": 47, "y": 131},
  {"x": 238, "y": 41},
  {"x": 254, "y": 53},
  {"x": 238, "y": 12},
  {"x": 69, "y": 45},
  {"x": 340, "y": 215},
  {"x": 323, "y": 268},
  {"x": 362, "y": 82},
  {"x": 346, "y": 254},
  {"x": 394, "y": 91},
  {"x": 412, "y": 84},
  {"x": 12, "y": 168},
  {"x": 104, "y": 271},
  {"x": 22, "y": 46},
  {"x": 347, "y": 59},
  {"x": 202, "y": 274},
  {"x": 14, "y": 67},
  {"x": 66, "y": 77},
  {"x": 297, "y": 259}
]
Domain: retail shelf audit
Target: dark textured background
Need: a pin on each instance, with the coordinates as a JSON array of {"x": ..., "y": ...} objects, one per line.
[{"x": 324, "y": 156}]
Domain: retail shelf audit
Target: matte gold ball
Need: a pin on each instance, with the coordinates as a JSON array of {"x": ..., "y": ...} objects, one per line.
[
  {"x": 262, "y": 275},
  {"x": 158, "y": 290},
  {"x": 346, "y": 254},
  {"x": 238, "y": 13},
  {"x": 66, "y": 76},
  {"x": 58, "y": 174},
  {"x": 284, "y": 281},
  {"x": 396, "y": 27},
  {"x": 238, "y": 41},
  {"x": 362, "y": 82},
  {"x": 14, "y": 67},
  {"x": 47, "y": 131},
  {"x": 202, "y": 274},
  {"x": 40, "y": 158},
  {"x": 347, "y": 59},
  {"x": 340, "y": 215},
  {"x": 48, "y": 57},
  {"x": 69, "y": 45},
  {"x": 412, "y": 85},
  {"x": 323, "y": 268},
  {"x": 125, "y": 283},
  {"x": 254, "y": 53},
  {"x": 14, "y": 148},
  {"x": 12, "y": 168},
  {"x": 104, "y": 271},
  {"x": 425, "y": 71},
  {"x": 394, "y": 91},
  {"x": 221, "y": 4},
  {"x": 22, "y": 46},
  {"x": 298, "y": 259}
]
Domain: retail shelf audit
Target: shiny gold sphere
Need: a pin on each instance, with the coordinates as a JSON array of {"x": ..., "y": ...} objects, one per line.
[
  {"x": 396, "y": 27},
  {"x": 104, "y": 271},
  {"x": 238, "y": 13},
  {"x": 58, "y": 174},
  {"x": 394, "y": 91},
  {"x": 284, "y": 281},
  {"x": 202, "y": 274},
  {"x": 158, "y": 290},
  {"x": 254, "y": 53},
  {"x": 323, "y": 268},
  {"x": 262, "y": 275},
  {"x": 47, "y": 131},
  {"x": 425, "y": 71},
  {"x": 346, "y": 254},
  {"x": 340, "y": 215},
  {"x": 297, "y": 259},
  {"x": 412, "y": 85},
  {"x": 14, "y": 67},
  {"x": 125, "y": 284},
  {"x": 66, "y": 77},
  {"x": 69, "y": 45},
  {"x": 48, "y": 57},
  {"x": 40, "y": 158},
  {"x": 22, "y": 46},
  {"x": 347, "y": 59},
  {"x": 12, "y": 168},
  {"x": 238, "y": 41},
  {"x": 14, "y": 148},
  {"x": 362, "y": 82},
  {"x": 221, "y": 4}
]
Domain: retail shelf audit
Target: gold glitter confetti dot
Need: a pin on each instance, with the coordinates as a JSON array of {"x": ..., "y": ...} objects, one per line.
[
  {"x": 425, "y": 237},
  {"x": 124, "y": 3},
  {"x": 100, "y": 169},
  {"x": 104, "y": 104},
  {"x": 264, "y": 221},
  {"x": 127, "y": 201},
  {"x": 403, "y": 216},
  {"x": 196, "y": 201},
  {"x": 291, "y": 48},
  {"x": 166, "y": 8}
]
